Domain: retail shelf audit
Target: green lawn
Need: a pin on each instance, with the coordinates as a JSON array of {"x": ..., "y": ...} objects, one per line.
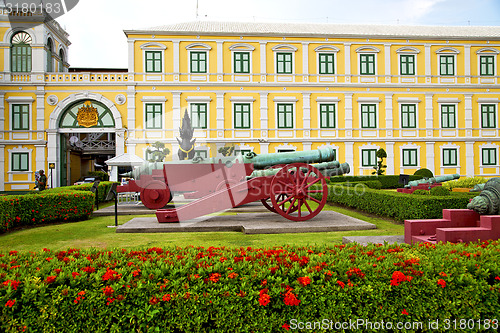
[{"x": 95, "y": 233}]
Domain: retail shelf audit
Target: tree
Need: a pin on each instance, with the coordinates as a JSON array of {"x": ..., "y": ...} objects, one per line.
[
  {"x": 379, "y": 169},
  {"x": 159, "y": 152},
  {"x": 226, "y": 151}
]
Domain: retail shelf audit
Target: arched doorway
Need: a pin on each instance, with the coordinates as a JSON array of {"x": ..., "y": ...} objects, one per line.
[{"x": 83, "y": 133}]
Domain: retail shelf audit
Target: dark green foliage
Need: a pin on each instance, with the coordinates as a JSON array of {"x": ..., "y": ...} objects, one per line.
[
  {"x": 439, "y": 191},
  {"x": 380, "y": 168},
  {"x": 226, "y": 151},
  {"x": 101, "y": 174},
  {"x": 421, "y": 192},
  {"x": 387, "y": 181},
  {"x": 425, "y": 173},
  {"x": 158, "y": 152},
  {"x": 399, "y": 206}
]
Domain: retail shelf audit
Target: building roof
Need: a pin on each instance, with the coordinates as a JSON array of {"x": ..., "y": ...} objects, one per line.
[
  {"x": 323, "y": 30},
  {"x": 126, "y": 159}
]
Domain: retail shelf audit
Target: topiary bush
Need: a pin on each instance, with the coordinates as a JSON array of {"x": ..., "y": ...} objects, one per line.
[
  {"x": 425, "y": 173},
  {"x": 421, "y": 192},
  {"x": 439, "y": 191},
  {"x": 101, "y": 174}
]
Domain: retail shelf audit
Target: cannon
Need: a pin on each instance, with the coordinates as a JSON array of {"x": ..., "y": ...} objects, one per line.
[
  {"x": 199, "y": 177},
  {"x": 488, "y": 202},
  {"x": 432, "y": 180}
]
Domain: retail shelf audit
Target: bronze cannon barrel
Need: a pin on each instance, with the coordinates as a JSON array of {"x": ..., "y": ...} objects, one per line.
[{"x": 433, "y": 180}]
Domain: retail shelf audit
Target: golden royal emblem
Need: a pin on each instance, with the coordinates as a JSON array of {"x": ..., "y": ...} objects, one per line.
[{"x": 87, "y": 115}]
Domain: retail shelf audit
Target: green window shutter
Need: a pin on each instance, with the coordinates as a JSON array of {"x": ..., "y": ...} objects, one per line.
[
  {"x": 326, "y": 63},
  {"x": 242, "y": 62},
  {"x": 448, "y": 116},
  {"x": 153, "y": 61},
  {"x": 488, "y": 116},
  {"x": 447, "y": 65},
  {"x": 327, "y": 115},
  {"x": 489, "y": 156},
  {"x": 200, "y": 153},
  {"x": 409, "y": 157},
  {"x": 21, "y": 58},
  {"x": 285, "y": 115},
  {"x": 20, "y": 117},
  {"x": 154, "y": 116},
  {"x": 241, "y": 115},
  {"x": 199, "y": 115},
  {"x": 408, "y": 116},
  {"x": 367, "y": 64},
  {"x": 198, "y": 62},
  {"x": 368, "y": 157},
  {"x": 450, "y": 157},
  {"x": 20, "y": 161},
  {"x": 407, "y": 63},
  {"x": 487, "y": 65},
  {"x": 368, "y": 116},
  {"x": 284, "y": 63}
]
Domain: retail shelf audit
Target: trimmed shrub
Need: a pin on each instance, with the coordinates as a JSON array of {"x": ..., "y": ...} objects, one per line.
[
  {"x": 399, "y": 206},
  {"x": 101, "y": 174},
  {"x": 421, "y": 192},
  {"x": 248, "y": 289},
  {"x": 388, "y": 181},
  {"x": 425, "y": 173},
  {"x": 467, "y": 182},
  {"x": 439, "y": 191}
]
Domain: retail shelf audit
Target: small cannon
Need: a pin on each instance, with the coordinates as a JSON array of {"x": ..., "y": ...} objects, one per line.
[
  {"x": 488, "y": 201},
  {"x": 432, "y": 180},
  {"x": 200, "y": 177}
]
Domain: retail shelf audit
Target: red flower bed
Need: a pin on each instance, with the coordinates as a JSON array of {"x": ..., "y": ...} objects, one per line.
[{"x": 247, "y": 289}]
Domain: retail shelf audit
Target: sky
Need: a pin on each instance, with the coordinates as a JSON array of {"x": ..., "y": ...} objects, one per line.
[{"x": 96, "y": 26}]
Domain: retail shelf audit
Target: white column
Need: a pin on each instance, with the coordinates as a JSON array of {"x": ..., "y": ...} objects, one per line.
[
  {"x": 114, "y": 174},
  {"x": 40, "y": 113},
  {"x": 2, "y": 115},
  {"x": 469, "y": 159},
  {"x": 348, "y": 115},
  {"x": 40, "y": 157},
  {"x": 468, "y": 115},
  {"x": 131, "y": 111},
  {"x": 220, "y": 61},
  {"x": 220, "y": 115},
  {"x": 306, "y": 107},
  {"x": 2, "y": 167},
  {"x": 389, "y": 149},
  {"x": 263, "y": 61},
  {"x": 467, "y": 63},
  {"x": 264, "y": 147},
  {"x": 387, "y": 51},
  {"x": 176, "y": 60},
  {"x": 347, "y": 51},
  {"x": 349, "y": 155},
  {"x": 120, "y": 141},
  {"x": 176, "y": 112},
  {"x": 131, "y": 56},
  {"x": 305, "y": 61},
  {"x": 429, "y": 117},
  {"x": 264, "y": 122},
  {"x": 388, "y": 115},
  {"x": 428, "y": 57},
  {"x": 430, "y": 156},
  {"x": 53, "y": 155},
  {"x": 306, "y": 146}
]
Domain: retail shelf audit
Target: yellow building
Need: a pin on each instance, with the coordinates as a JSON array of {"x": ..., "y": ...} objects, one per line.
[{"x": 428, "y": 95}]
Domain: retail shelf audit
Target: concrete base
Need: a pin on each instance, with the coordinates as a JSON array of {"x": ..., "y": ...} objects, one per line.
[
  {"x": 248, "y": 223},
  {"x": 365, "y": 240}
]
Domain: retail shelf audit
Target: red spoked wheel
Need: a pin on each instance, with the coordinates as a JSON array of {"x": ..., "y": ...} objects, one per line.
[
  {"x": 269, "y": 204},
  {"x": 293, "y": 194},
  {"x": 155, "y": 194}
]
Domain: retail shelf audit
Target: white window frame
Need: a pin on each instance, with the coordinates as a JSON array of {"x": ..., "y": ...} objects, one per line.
[
  {"x": 154, "y": 100},
  {"x": 368, "y": 50},
  {"x": 200, "y": 100},
  {"x": 409, "y": 100},
  {"x": 447, "y": 51},
  {"x": 199, "y": 47},
  {"x": 409, "y": 146},
  {"x": 360, "y": 150},
  {"x": 20, "y": 184},
  {"x": 242, "y": 47},
  {"x": 448, "y": 101},
  {"x": 328, "y": 100},
  {"x": 327, "y": 49},
  {"x": 408, "y": 50},
  {"x": 449, "y": 145},
  {"x": 13, "y": 100},
  {"x": 155, "y": 47},
  {"x": 285, "y": 100},
  {"x": 242, "y": 100},
  {"x": 284, "y": 48},
  {"x": 487, "y": 51}
]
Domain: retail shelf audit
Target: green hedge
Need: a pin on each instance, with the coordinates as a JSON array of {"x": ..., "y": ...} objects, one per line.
[
  {"x": 250, "y": 290},
  {"x": 399, "y": 206},
  {"x": 69, "y": 203},
  {"x": 388, "y": 182}
]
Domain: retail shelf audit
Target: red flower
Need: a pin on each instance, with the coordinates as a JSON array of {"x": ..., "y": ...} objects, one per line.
[
  {"x": 58, "y": 270},
  {"x": 442, "y": 283},
  {"x": 111, "y": 275},
  {"x": 497, "y": 278},
  {"x": 88, "y": 269},
  {"x": 214, "y": 277},
  {"x": 304, "y": 280},
  {"x": 291, "y": 299},
  {"x": 264, "y": 299},
  {"x": 341, "y": 284},
  {"x": 81, "y": 293},
  {"x": 443, "y": 274},
  {"x": 264, "y": 282},
  {"x": 398, "y": 277},
  {"x": 14, "y": 284},
  {"x": 286, "y": 326},
  {"x": 108, "y": 291},
  {"x": 153, "y": 300},
  {"x": 136, "y": 272},
  {"x": 166, "y": 298},
  {"x": 75, "y": 274},
  {"x": 10, "y": 303},
  {"x": 405, "y": 312},
  {"x": 50, "y": 279},
  {"x": 232, "y": 275}
]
